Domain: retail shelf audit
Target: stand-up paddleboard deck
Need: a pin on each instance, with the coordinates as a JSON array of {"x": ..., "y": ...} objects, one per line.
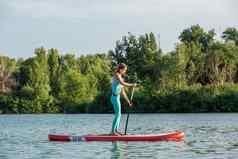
[{"x": 173, "y": 136}]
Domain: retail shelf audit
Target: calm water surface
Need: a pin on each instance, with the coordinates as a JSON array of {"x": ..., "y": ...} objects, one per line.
[{"x": 208, "y": 136}]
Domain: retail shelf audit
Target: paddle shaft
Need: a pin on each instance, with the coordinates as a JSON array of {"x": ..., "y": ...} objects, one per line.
[{"x": 128, "y": 114}]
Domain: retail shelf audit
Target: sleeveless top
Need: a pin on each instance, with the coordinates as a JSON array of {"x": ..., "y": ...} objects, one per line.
[{"x": 116, "y": 86}]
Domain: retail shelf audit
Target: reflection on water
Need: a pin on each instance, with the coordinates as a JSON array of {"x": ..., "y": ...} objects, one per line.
[
  {"x": 207, "y": 136},
  {"x": 117, "y": 151}
]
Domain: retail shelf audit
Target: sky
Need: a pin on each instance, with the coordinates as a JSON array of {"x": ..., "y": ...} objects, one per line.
[{"x": 93, "y": 26}]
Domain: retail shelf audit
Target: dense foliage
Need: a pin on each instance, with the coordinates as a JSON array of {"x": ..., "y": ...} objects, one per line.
[{"x": 200, "y": 75}]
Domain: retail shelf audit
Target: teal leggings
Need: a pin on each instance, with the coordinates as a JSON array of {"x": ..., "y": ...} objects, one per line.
[{"x": 117, "y": 110}]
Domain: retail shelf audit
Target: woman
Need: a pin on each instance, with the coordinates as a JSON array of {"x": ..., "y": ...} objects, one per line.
[{"x": 117, "y": 88}]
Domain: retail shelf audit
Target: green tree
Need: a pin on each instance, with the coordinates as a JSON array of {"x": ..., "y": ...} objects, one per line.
[
  {"x": 221, "y": 62},
  {"x": 54, "y": 70},
  {"x": 195, "y": 34},
  {"x": 231, "y": 34},
  {"x": 138, "y": 53},
  {"x": 97, "y": 70},
  {"x": 7, "y": 67},
  {"x": 74, "y": 93},
  {"x": 34, "y": 81}
]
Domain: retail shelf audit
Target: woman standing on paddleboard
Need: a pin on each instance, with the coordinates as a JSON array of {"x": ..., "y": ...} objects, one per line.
[{"x": 117, "y": 89}]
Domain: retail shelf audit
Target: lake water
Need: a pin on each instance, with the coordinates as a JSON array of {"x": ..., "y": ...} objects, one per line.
[{"x": 208, "y": 136}]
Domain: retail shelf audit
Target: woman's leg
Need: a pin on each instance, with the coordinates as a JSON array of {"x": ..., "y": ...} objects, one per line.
[
  {"x": 118, "y": 114},
  {"x": 117, "y": 110}
]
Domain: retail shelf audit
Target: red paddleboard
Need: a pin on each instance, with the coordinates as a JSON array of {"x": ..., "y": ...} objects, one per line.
[{"x": 172, "y": 136}]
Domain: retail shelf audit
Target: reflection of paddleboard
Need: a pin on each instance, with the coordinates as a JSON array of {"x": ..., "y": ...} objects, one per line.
[{"x": 173, "y": 136}]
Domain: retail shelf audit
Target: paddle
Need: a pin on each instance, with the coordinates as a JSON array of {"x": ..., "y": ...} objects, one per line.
[{"x": 128, "y": 113}]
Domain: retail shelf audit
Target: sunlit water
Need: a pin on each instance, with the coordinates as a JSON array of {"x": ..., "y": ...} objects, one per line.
[{"x": 207, "y": 136}]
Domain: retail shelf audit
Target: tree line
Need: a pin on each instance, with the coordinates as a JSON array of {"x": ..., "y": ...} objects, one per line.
[{"x": 199, "y": 75}]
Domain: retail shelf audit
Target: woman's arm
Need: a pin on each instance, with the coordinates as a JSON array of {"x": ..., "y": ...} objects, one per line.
[
  {"x": 123, "y": 92},
  {"x": 120, "y": 79}
]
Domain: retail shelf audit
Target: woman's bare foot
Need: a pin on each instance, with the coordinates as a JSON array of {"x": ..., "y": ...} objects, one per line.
[
  {"x": 116, "y": 134},
  {"x": 119, "y": 133}
]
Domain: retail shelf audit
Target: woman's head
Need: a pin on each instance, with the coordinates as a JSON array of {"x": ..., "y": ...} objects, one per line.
[{"x": 121, "y": 68}]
